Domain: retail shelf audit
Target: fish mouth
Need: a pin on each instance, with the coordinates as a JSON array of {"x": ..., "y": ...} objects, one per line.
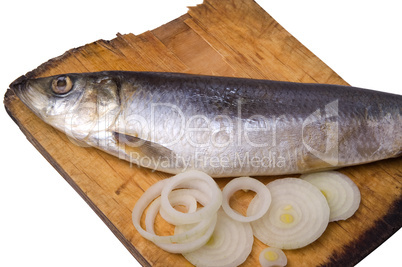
[
  {"x": 19, "y": 85},
  {"x": 28, "y": 93}
]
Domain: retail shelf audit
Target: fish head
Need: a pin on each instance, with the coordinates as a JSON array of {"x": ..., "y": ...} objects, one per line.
[
  {"x": 50, "y": 96},
  {"x": 77, "y": 104}
]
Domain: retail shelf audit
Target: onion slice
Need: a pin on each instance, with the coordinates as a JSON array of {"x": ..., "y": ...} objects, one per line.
[
  {"x": 229, "y": 245},
  {"x": 185, "y": 178},
  {"x": 271, "y": 257},
  {"x": 298, "y": 214},
  {"x": 187, "y": 198},
  {"x": 149, "y": 195},
  {"x": 341, "y": 192},
  {"x": 184, "y": 197},
  {"x": 181, "y": 197},
  {"x": 246, "y": 183}
]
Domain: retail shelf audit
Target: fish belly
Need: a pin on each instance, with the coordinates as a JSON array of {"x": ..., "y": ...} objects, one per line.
[{"x": 236, "y": 127}]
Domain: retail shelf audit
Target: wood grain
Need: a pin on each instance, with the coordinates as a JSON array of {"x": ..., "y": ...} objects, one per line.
[{"x": 228, "y": 38}]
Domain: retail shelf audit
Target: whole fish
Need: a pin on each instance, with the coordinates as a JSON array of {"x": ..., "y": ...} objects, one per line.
[{"x": 223, "y": 126}]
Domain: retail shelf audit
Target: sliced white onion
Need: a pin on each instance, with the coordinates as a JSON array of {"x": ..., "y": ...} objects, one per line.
[
  {"x": 341, "y": 192},
  {"x": 230, "y": 244},
  {"x": 186, "y": 178},
  {"x": 298, "y": 215},
  {"x": 271, "y": 257},
  {"x": 187, "y": 198},
  {"x": 149, "y": 195},
  {"x": 246, "y": 183},
  {"x": 181, "y": 197}
]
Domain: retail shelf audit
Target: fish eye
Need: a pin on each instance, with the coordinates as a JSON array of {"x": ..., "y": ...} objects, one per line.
[{"x": 62, "y": 85}]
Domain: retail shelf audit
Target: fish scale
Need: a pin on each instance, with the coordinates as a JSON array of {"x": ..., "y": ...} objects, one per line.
[{"x": 223, "y": 126}]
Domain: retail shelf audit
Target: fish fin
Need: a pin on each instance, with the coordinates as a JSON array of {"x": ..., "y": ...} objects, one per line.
[
  {"x": 142, "y": 148},
  {"x": 310, "y": 163}
]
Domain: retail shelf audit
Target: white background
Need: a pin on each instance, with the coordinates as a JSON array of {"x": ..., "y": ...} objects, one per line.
[{"x": 43, "y": 221}]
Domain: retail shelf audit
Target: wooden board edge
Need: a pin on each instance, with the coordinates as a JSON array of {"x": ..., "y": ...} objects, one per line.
[
  {"x": 353, "y": 253},
  {"x": 9, "y": 98},
  {"x": 371, "y": 239}
]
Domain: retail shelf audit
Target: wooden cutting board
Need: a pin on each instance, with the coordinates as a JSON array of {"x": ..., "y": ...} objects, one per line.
[{"x": 229, "y": 38}]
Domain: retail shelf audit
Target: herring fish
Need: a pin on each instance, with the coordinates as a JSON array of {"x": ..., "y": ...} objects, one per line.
[{"x": 224, "y": 126}]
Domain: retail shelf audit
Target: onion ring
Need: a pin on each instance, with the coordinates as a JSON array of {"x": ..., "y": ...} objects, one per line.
[
  {"x": 188, "y": 198},
  {"x": 214, "y": 194},
  {"x": 149, "y": 195},
  {"x": 298, "y": 215},
  {"x": 246, "y": 183},
  {"x": 341, "y": 192},
  {"x": 230, "y": 244},
  {"x": 273, "y": 257}
]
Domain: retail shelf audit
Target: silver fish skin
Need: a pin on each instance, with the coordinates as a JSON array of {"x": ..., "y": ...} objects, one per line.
[{"x": 223, "y": 126}]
